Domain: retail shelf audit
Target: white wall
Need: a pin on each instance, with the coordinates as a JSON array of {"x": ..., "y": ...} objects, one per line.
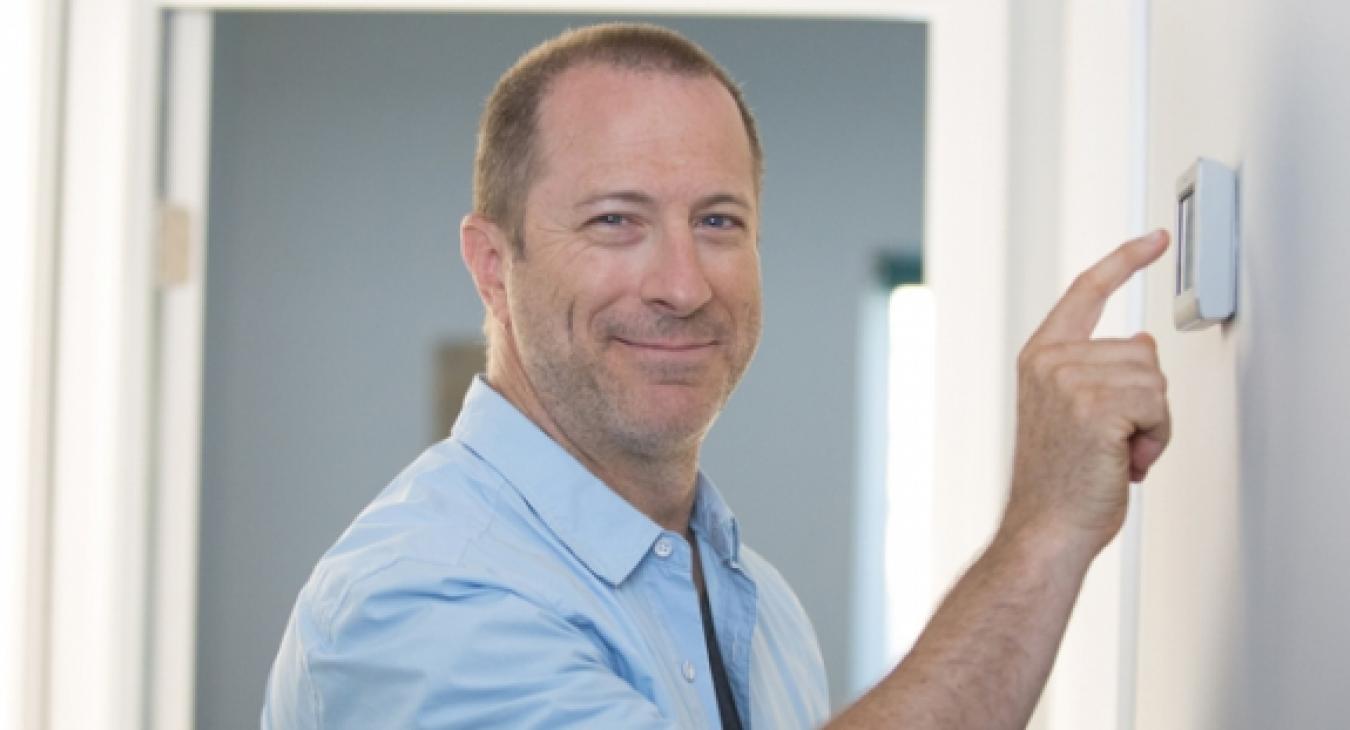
[
  {"x": 29, "y": 53},
  {"x": 1245, "y": 598},
  {"x": 341, "y": 158},
  {"x": 1076, "y": 174}
]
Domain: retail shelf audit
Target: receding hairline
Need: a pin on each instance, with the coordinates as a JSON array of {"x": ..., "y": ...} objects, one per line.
[
  {"x": 641, "y": 48},
  {"x": 548, "y": 99}
]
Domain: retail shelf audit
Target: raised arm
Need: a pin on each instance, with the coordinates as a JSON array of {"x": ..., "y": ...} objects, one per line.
[{"x": 1091, "y": 417}]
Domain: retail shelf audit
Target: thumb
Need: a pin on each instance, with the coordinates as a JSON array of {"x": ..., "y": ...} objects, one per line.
[{"x": 1144, "y": 452}]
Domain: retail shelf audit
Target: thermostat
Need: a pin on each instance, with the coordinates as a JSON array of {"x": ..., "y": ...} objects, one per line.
[{"x": 1206, "y": 245}]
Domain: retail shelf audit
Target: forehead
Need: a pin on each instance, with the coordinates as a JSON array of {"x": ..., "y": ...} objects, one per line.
[{"x": 598, "y": 122}]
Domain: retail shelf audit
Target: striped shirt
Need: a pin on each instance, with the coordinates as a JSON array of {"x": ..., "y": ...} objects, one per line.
[{"x": 498, "y": 583}]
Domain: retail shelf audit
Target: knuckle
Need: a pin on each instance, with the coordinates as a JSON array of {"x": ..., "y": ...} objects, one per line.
[
  {"x": 1064, "y": 376},
  {"x": 1143, "y": 378},
  {"x": 1164, "y": 407},
  {"x": 1037, "y": 361},
  {"x": 1146, "y": 347},
  {"x": 1150, "y": 379},
  {"x": 1159, "y": 382},
  {"x": 1083, "y": 406},
  {"x": 1090, "y": 281},
  {"x": 1154, "y": 408}
]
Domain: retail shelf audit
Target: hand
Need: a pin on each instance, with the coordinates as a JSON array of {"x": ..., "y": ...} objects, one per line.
[{"x": 1091, "y": 414}]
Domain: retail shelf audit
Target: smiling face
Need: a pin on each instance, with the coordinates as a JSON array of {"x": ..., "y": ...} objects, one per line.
[{"x": 636, "y": 305}]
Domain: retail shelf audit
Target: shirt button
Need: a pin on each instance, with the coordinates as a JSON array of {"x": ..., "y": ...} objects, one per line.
[
  {"x": 688, "y": 670},
  {"x": 663, "y": 548}
]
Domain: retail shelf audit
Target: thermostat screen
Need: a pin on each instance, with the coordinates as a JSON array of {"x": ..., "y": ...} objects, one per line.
[
  {"x": 1186, "y": 239},
  {"x": 1206, "y": 244}
]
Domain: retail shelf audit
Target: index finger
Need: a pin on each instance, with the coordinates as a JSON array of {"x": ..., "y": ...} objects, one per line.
[{"x": 1077, "y": 313}]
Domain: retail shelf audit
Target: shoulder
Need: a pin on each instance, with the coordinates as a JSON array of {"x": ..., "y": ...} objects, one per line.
[
  {"x": 417, "y": 643},
  {"x": 431, "y": 513},
  {"x": 441, "y": 559},
  {"x": 448, "y": 522}
]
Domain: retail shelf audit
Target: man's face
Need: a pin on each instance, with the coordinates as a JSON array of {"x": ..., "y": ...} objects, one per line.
[{"x": 636, "y": 306}]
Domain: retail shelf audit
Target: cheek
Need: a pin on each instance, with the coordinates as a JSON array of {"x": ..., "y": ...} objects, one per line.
[
  {"x": 565, "y": 300},
  {"x": 754, "y": 306},
  {"x": 738, "y": 280},
  {"x": 600, "y": 276},
  {"x": 752, "y": 324},
  {"x": 538, "y": 305}
]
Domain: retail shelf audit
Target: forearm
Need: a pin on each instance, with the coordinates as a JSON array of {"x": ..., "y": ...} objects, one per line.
[
  {"x": 1091, "y": 415},
  {"x": 985, "y": 655}
]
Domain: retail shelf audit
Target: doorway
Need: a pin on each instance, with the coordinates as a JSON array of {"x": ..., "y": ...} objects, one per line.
[
  {"x": 127, "y": 418},
  {"x": 341, "y": 152}
]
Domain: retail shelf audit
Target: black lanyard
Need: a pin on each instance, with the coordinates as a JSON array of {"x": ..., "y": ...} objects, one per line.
[{"x": 726, "y": 704}]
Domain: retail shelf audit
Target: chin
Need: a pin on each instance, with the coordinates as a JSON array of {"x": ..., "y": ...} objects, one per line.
[
  {"x": 663, "y": 441},
  {"x": 664, "y": 425},
  {"x": 683, "y": 402}
]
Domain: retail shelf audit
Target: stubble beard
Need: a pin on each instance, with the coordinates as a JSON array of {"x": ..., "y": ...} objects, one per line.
[{"x": 585, "y": 396}]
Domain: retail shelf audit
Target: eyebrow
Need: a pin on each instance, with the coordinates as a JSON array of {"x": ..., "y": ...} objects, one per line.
[
  {"x": 641, "y": 198},
  {"x": 626, "y": 196},
  {"x": 721, "y": 198}
]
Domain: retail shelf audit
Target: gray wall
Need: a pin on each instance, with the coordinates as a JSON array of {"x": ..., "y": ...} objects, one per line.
[
  {"x": 341, "y": 156},
  {"x": 1246, "y": 557}
]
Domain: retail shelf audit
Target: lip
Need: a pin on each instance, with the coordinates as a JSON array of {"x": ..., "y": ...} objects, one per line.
[{"x": 674, "y": 347}]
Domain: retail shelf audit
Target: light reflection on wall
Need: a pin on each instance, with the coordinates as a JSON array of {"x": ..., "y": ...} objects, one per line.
[{"x": 909, "y": 466}]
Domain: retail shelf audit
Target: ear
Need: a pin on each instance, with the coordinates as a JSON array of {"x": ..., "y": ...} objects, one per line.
[{"x": 487, "y": 253}]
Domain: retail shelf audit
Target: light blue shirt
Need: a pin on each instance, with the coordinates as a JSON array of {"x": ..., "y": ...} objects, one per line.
[{"x": 497, "y": 583}]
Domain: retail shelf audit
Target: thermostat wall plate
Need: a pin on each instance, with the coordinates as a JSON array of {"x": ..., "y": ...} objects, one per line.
[{"x": 1207, "y": 241}]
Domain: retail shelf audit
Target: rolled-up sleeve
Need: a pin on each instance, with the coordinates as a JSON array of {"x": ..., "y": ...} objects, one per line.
[{"x": 410, "y": 647}]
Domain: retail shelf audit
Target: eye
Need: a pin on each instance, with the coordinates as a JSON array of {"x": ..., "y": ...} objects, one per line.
[
  {"x": 615, "y": 229},
  {"x": 720, "y": 221},
  {"x": 609, "y": 219}
]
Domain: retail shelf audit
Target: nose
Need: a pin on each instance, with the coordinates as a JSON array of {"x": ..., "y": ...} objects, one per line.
[{"x": 675, "y": 280}]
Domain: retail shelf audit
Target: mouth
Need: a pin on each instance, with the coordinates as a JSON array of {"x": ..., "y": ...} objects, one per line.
[{"x": 673, "y": 347}]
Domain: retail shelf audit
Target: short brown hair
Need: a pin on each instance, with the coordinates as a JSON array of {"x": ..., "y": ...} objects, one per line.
[{"x": 506, "y": 160}]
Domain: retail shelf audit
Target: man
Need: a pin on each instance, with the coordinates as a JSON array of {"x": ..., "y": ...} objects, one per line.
[{"x": 560, "y": 561}]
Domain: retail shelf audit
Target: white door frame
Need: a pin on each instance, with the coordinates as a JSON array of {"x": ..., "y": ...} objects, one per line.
[
  {"x": 127, "y": 382},
  {"x": 177, "y": 355}
]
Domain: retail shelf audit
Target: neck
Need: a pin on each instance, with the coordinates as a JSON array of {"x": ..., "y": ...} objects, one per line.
[{"x": 661, "y": 487}]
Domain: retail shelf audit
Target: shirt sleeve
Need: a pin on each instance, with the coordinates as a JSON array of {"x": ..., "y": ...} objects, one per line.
[{"x": 407, "y": 647}]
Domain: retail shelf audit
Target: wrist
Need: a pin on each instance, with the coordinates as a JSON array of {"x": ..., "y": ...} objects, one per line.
[
  {"x": 1046, "y": 546},
  {"x": 1068, "y": 513}
]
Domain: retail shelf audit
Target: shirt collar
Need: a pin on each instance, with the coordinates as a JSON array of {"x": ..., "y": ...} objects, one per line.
[
  {"x": 599, "y": 527},
  {"x": 713, "y": 520}
]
